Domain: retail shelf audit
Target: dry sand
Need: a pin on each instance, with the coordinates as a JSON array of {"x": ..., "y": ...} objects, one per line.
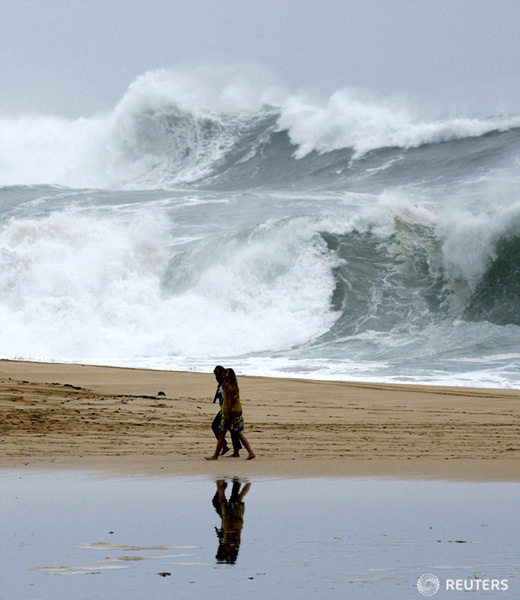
[{"x": 76, "y": 416}]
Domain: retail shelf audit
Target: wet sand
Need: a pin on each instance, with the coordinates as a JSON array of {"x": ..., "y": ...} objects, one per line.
[
  {"x": 71, "y": 535},
  {"x": 114, "y": 419}
]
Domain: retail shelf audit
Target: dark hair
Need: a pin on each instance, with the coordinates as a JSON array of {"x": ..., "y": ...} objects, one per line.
[
  {"x": 232, "y": 378},
  {"x": 218, "y": 369}
]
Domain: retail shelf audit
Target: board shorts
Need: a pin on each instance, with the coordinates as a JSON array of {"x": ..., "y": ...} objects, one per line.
[{"x": 234, "y": 425}]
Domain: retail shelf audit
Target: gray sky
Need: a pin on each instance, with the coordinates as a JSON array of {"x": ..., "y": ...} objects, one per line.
[{"x": 75, "y": 57}]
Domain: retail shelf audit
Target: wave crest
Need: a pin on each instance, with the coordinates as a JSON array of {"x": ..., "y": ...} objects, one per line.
[
  {"x": 79, "y": 285},
  {"x": 175, "y": 127},
  {"x": 346, "y": 121}
]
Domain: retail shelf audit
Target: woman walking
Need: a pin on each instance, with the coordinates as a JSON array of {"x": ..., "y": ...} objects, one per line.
[
  {"x": 232, "y": 419},
  {"x": 218, "y": 371}
]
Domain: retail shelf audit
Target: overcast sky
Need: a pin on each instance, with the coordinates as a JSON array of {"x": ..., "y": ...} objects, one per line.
[{"x": 76, "y": 57}]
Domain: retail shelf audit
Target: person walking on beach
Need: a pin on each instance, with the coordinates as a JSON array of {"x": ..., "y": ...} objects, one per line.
[
  {"x": 215, "y": 426},
  {"x": 232, "y": 419}
]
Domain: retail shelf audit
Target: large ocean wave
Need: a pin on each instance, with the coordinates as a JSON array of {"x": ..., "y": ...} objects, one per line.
[
  {"x": 403, "y": 268},
  {"x": 83, "y": 283},
  {"x": 75, "y": 285},
  {"x": 207, "y": 218},
  {"x": 172, "y": 128}
]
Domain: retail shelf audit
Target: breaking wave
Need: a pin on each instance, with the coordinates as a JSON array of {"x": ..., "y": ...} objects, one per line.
[
  {"x": 76, "y": 285},
  {"x": 342, "y": 237},
  {"x": 82, "y": 284},
  {"x": 173, "y": 127}
]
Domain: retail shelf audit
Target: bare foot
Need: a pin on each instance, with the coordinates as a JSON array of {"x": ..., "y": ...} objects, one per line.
[
  {"x": 234, "y": 455},
  {"x": 211, "y": 457},
  {"x": 224, "y": 450},
  {"x": 251, "y": 456}
]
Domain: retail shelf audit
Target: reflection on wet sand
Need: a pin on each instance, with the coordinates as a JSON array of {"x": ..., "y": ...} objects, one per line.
[
  {"x": 232, "y": 514},
  {"x": 66, "y": 535}
]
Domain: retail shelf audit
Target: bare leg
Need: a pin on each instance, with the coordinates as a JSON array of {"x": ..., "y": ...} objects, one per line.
[
  {"x": 220, "y": 443},
  {"x": 247, "y": 446},
  {"x": 215, "y": 426},
  {"x": 244, "y": 491},
  {"x": 237, "y": 446},
  {"x": 221, "y": 490}
]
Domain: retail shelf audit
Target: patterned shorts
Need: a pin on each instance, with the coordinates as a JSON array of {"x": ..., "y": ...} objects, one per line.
[{"x": 234, "y": 425}]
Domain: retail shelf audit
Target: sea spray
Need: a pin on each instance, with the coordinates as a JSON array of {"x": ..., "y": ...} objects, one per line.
[
  {"x": 75, "y": 284},
  {"x": 211, "y": 219},
  {"x": 176, "y": 127}
]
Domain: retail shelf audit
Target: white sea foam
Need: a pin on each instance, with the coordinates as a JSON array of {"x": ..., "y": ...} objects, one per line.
[
  {"x": 174, "y": 127},
  {"x": 469, "y": 241},
  {"x": 169, "y": 127},
  {"x": 75, "y": 284},
  {"x": 179, "y": 281},
  {"x": 55, "y": 150},
  {"x": 346, "y": 121}
]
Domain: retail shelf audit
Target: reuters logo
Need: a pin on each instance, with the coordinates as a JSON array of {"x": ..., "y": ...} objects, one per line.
[{"x": 428, "y": 584}]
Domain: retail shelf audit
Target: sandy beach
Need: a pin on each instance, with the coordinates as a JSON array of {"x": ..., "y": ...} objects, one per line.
[{"x": 158, "y": 422}]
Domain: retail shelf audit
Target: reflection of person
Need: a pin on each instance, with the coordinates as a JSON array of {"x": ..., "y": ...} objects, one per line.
[
  {"x": 215, "y": 426},
  {"x": 232, "y": 419},
  {"x": 232, "y": 514}
]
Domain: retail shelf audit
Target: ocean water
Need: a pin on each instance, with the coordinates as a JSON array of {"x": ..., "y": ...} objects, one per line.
[
  {"x": 208, "y": 220},
  {"x": 70, "y": 534}
]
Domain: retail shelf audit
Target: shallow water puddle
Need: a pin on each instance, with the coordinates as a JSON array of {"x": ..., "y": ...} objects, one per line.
[{"x": 181, "y": 537}]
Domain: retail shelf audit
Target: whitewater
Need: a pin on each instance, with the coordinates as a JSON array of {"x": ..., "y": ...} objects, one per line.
[{"x": 213, "y": 218}]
